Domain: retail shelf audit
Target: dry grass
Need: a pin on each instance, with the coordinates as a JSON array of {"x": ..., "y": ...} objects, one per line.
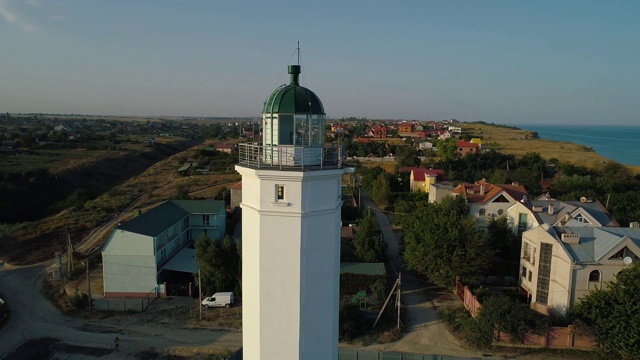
[{"x": 520, "y": 142}]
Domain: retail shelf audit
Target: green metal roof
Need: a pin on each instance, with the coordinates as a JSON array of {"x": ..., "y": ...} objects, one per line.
[
  {"x": 157, "y": 220},
  {"x": 293, "y": 98},
  {"x": 362, "y": 268}
]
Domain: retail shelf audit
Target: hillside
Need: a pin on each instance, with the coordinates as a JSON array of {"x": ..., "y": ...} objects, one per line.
[
  {"x": 137, "y": 182},
  {"x": 518, "y": 142}
]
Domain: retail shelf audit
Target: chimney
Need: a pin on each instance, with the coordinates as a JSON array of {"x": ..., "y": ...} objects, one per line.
[
  {"x": 570, "y": 238},
  {"x": 515, "y": 183},
  {"x": 634, "y": 224},
  {"x": 550, "y": 209},
  {"x": 567, "y": 217},
  {"x": 482, "y": 190}
]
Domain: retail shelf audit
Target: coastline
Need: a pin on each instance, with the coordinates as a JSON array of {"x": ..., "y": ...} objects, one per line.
[
  {"x": 617, "y": 142},
  {"x": 519, "y": 142}
]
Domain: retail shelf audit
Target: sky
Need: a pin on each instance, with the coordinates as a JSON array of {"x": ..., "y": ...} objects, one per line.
[{"x": 503, "y": 62}]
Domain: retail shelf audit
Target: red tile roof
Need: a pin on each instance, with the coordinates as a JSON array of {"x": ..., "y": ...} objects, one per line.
[
  {"x": 481, "y": 192},
  {"x": 464, "y": 143}
]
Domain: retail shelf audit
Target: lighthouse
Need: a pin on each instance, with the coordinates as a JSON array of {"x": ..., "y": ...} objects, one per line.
[{"x": 291, "y": 202}]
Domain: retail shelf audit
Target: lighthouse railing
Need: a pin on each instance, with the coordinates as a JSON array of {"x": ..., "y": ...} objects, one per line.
[{"x": 291, "y": 157}]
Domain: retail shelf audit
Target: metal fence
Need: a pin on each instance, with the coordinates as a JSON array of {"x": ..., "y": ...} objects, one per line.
[
  {"x": 125, "y": 304},
  {"x": 357, "y": 354}
]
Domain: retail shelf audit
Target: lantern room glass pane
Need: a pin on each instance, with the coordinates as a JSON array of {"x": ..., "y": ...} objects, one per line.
[
  {"x": 302, "y": 130},
  {"x": 316, "y": 130}
]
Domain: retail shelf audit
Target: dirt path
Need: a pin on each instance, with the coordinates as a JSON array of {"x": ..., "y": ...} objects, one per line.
[
  {"x": 34, "y": 317},
  {"x": 426, "y": 333}
]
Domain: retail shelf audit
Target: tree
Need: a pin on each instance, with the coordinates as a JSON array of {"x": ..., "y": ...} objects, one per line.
[
  {"x": 447, "y": 149},
  {"x": 219, "y": 263},
  {"x": 381, "y": 190},
  {"x": 442, "y": 241},
  {"x": 509, "y": 316},
  {"x": 182, "y": 192},
  {"x": 406, "y": 156},
  {"x": 614, "y": 314},
  {"x": 366, "y": 240},
  {"x": 501, "y": 238}
]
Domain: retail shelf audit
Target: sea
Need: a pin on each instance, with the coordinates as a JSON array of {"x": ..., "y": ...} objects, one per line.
[{"x": 620, "y": 143}]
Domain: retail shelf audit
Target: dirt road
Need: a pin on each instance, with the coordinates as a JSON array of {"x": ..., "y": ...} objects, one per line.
[
  {"x": 426, "y": 333},
  {"x": 34, "y": 317}
]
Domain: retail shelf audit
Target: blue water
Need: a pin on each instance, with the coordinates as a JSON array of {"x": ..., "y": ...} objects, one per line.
[{"x": 618, "y": 143}]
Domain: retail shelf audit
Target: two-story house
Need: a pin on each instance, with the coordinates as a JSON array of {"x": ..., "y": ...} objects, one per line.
[
  {"x": 465, "y": 148},
  {"x": 420, "y": 178},
  {"x": 142, "y": 252},
  {"x": 560, "y": 264},
  {"x": 488, "y": 200},
  {"x": 526, "y": 215}
]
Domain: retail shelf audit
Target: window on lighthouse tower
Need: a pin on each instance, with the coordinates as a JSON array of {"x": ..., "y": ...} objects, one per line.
[{"x": 279, "y": 192}]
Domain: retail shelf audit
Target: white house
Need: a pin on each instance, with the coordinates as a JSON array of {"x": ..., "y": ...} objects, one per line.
[
  {"x": 560, "y": 264},
  {"x": 526, "y": 215},
  {"x": 488, "y": 201},
  {"x": 144, "y": 251}
]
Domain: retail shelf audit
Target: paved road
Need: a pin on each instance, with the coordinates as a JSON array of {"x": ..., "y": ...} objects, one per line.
[
  {"x": 33, "y": 317},
  {"x": 426, "y": 333}
]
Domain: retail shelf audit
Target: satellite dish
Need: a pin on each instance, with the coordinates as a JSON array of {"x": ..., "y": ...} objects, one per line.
[
  {"x": 583, "y": 199},
  {"x": 627, "y": 260}
]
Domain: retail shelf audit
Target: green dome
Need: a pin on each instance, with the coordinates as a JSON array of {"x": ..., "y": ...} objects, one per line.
[{"x": 293, "y": 98}]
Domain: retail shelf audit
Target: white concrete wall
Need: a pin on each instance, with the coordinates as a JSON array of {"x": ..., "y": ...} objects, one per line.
[
  {"x": 560, "y": 282},
  {"x": 290, "y": 264},
  {"x": 514, "y": 216}
]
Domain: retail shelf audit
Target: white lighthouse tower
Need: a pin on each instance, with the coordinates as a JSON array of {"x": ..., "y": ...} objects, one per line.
[{"x": 291, "y": 203}]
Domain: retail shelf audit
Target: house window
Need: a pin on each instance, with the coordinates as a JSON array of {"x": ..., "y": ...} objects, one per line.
[
  {"x": 482, "y": 212},
  {"x": 581, "y": 219},
  {"x": 523, "y": 273},
  {"x": 500, "y": 212},
  {"x": 279, "y": 192},
  {"x": 624, "y": 252},
  {"x": 522, "y": 224},
  {"x": 205, "y": 219},
  {"x": 544, "y": 273},
  {"x": 594, "y": 276},
  {"x": 526, "y": 251},
  {"x": 530, "y": 275}
]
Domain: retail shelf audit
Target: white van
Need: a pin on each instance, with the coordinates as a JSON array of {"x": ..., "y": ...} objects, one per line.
[{"x": 219, "y": 299}]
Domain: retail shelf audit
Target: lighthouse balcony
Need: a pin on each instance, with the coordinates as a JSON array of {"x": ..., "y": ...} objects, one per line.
[{"x": 291, "y": 157}]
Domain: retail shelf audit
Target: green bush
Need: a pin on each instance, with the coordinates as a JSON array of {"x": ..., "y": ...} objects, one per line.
[
  {"x": 78, "y": 300},
  {"x": 351, "y": 284},
  {"x": 351, "y": 322}
]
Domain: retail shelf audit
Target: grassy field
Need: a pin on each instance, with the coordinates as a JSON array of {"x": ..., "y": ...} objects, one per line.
[{"x": 520, "y": 142}]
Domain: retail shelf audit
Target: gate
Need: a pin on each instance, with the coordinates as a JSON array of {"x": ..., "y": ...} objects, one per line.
[{"x": 178, "y": 289}]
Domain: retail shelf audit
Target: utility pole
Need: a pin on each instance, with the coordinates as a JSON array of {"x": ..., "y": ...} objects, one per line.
[
  {"x": 199, "y": 294},
  {"x": 89, "y": 277},
  {"x": 399, "y": 295},
  {"x": 69, "y": 253},
  {"x": 88, "y": 283}
]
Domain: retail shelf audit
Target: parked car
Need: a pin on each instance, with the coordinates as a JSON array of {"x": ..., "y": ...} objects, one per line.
[{"x": 219, "y": 299}]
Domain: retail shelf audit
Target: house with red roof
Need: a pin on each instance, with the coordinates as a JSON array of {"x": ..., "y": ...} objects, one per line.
[
  {"x": 405, "y": 127},
  {"x": 378, "y": 131},
  {"x": 465, "y": 147},
  {"x": 487, "y": 201},
  {"x": 421, "y": 178}
]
